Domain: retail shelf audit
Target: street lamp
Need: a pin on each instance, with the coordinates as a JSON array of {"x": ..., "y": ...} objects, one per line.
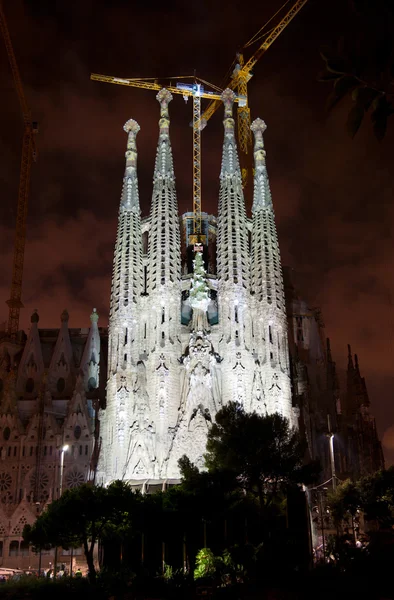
[
  {"x": 330, "y": 436},
  {"x": 63, "y": 450}
]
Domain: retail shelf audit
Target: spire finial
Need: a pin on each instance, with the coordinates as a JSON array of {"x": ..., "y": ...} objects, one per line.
[
  {"x": 262, "y": 193},
  {"x": 228, "y": 98},
  {"x": 94, "y": 316},
  {"x": 131, "y": 127},
  {"x": 258, "y": 127},
  {"x": 34, "y": 318},
  {"x": 349, "y": 357},
  {"x": 64, "y": 316},
  {"x": 164, "y": 97}
]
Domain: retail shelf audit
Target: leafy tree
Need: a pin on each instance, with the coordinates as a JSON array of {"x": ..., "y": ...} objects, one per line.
[
  {"x": 263, "y": 453},
  {"x": 81, "y": 517},
  {"x": 362, "y": 65},
  {"x": 345, "y": 501}
]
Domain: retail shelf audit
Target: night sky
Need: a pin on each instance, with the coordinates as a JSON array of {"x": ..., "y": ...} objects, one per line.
[{"x": 333, "y": 196}]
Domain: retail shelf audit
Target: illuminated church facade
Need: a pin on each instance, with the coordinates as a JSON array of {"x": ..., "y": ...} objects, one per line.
[{"x": 187, "y": 334}]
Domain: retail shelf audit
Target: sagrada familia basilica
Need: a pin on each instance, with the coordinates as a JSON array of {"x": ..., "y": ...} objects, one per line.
[{"x": 185, "y": 337}]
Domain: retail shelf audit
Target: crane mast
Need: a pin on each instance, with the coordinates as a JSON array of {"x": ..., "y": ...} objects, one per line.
[
  {"x": 243, "y": 73},
  {"x": 28, "y": 155}
]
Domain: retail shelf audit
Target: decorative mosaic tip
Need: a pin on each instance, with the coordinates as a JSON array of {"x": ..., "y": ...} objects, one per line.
[
  {"x": 164, "y": 97},
  {"x": 228, "y": 97},
  {"x": 258, "y": 125},
  {"x": 94, "y": 316},
  {"x": 131, "y": 126}
]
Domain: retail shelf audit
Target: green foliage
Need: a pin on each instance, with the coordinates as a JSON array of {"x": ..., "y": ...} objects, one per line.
[
  {"x": 206, "y": 564},
  {"x": 345, "y": 501},
  {"x": 373, "y": 495},
  {"x": 362, "y": 65},
  {"x": 222, "y": 568},
  {"x": 262, "y": 453},
  {"x": 82, "y": 516}
]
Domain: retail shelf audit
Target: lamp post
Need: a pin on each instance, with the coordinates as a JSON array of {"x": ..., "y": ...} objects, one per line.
[
  {"x": 63, "y": 450},
  {"x": 330, "y": 436}
]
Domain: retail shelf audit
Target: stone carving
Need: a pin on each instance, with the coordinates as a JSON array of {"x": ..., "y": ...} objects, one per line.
[{"x": 142, "y": 443}]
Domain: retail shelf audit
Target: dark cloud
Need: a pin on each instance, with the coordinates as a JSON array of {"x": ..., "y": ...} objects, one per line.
[{"x": 332, "y": 196}]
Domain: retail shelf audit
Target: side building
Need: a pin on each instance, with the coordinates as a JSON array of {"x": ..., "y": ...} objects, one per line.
[{"x": 50, "y": 389}]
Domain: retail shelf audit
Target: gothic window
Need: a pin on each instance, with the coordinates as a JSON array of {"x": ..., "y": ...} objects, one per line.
[
  {"x": 77, "y": 432},
  {"x": 14, "y": 548},
  {"x": 74, "y": 478},
  {"x": 29, "y": 387},
  {"x": 43, "y": 480},
  {"x": 6, "y": 433},
  {"x": 1, "y": 549},
  {"x": 61, "y": 384},
  {"x": 5, "y": 482},
  {"x": 1, "y": 385},
  {"x": 24, "y": 549}
]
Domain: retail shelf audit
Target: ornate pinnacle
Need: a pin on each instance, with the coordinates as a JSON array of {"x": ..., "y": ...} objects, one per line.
[
  {"x": 164, "y": 97},
  {"x": 258, "y": 127},
  {"x": 94, "y": 316},
  {"x": 131, "y": 127},
  {"x": 228, "y": 98}
]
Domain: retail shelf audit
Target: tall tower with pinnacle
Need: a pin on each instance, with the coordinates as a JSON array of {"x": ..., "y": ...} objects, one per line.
[
  {"x": 182, "y": 346},
  {"x": 233, "y": 268},
  {"x": 124, "y": 322},
  {"x": 267, "y": 290}
]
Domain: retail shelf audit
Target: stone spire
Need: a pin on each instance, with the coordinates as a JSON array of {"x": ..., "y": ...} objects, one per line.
[
  {"x": 233, "y": 268},
  {"x": 270, "y": 330},
  {"x": 127, "y": 276},
  {"x": 232, "y": 240},
  {"x": 266, "y": 271},
  {"x": 164, "y": 259},
  {"x": 161, "y": 326},
  {"x": 124, "y": 324}
]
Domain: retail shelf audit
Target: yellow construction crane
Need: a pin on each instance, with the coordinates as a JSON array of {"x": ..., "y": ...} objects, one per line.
[
  {"x": 28, "y": 155},
  {"x": 196, "y": 90},
  {"x": 243, "y": 72}
]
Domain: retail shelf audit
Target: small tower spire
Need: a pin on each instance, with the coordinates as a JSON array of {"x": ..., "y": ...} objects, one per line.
[
  {"x": 232, "y": 241},
  {"x": 164, "y": 258},
  {"x": 123, "y": 330},
  {"x": 267, "y": 289},
  {"x": 350, "y": 365},
  {"x": 233, "y": 267}
]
